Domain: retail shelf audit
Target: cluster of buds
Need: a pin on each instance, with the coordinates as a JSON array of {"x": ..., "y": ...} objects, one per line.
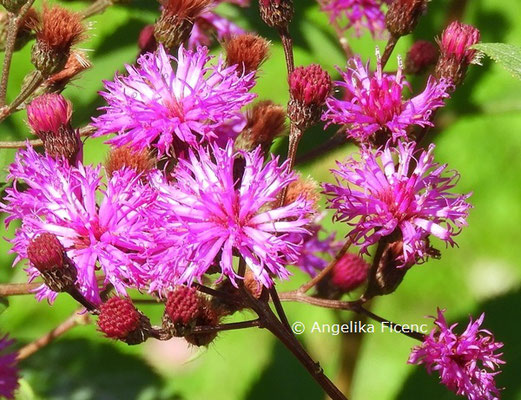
[
  {"x": 421, "y": 56},
  {"x": 309, "y": 87},
  {"x": 276, "y": 13},
  {"x": 119, "y": 319},
  {"x": 47, "y": 255},
  {"x": 177, "y": 20},
  {"x": 456, "y": 52},
  {"x": 403, "y": 15},
  {"x": 49, "y": 117}
]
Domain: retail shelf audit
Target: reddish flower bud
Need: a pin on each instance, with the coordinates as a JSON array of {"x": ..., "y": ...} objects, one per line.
[
  {"x": 59, "y": 30},
  {"x": 183, "y": 307},
  {"x": 421, "y": 56},
  {"x": 248, "y": 51},
  {"x": 49, "y": 116},
  {"x": 349, "y": 273},
  {"x": 456, "y": 54},
  {"x": 265, "y": 121},
  {"x": 208, "y": 317},
  {"x": 119, "y": 319},
  {"x": 127, "y": 157},
  {"x": 403, "y": 15},
  {"x": 276, "y": 13},
  {"x": 146, "y": 41},
  {"x": 309, "y": 88},
  {"x": 47, "y": 255},
  {"x": 177, "y": 19}
]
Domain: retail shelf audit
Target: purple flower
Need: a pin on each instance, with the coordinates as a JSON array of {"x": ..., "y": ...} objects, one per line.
[
  {"x": 466, "y": 363},
  {"x": 107, "y": 234},
  {"x": 386, "y": 198},
  {"x": 313, "y": 249},
  {"x": 208, "y": 23},
  {"x": 212, "y": 214},
  {"x": 359, "y": 14},
  {"x": 8, "y": 369},
  {"x": 374, "y": 102},
  {"x": 157, "y": 106}
]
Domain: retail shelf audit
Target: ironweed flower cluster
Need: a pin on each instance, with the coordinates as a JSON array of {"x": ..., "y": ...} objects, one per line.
[{"x": 192, "y": 208}]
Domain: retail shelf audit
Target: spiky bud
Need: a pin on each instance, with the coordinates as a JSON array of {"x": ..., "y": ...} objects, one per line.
[
  {"x": 119, "y": 319},
  {"x": 309, "y": 87},
  {"x": 177, "y": 20},
  {"x": 47, "y": 255},
  {"x": 49, "y": 117},
  {"x": 183, "y": 307},
  {"x": 248, "y": 51},
  {"x": 208, "y": 317},
  {"x": 421, "y": 56},
  {"x": 403, "y": 15},
  {"x": 59, "y": 30},
  {"x": 265, "y": 121},
  {"x": 276, "y": 13},
  {"x": 127, "y": 157},
  {"x": 456, "y": 53},
  {"x": 146, "y": 41}
]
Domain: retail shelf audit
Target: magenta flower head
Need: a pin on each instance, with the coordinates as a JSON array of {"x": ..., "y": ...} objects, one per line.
[
  {"x": 106, "y": 234},
  {"x": 378, "y": 197},
  {"x": 8, "y": 369},
  {"x": 157, "y": 106},
  {"x": 467, "y": 363},
  {"x": 373, "y": 103},
  {"x": 211, "y": 214},
  {"x": 49, "y": 117},
  {"x": 456, "y": 52},
  {"x": 357, "y": 14},
  {"x": 309, "y": 87}
]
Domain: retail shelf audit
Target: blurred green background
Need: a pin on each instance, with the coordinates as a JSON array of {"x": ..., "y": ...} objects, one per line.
[{"x": 479, "y": 135}]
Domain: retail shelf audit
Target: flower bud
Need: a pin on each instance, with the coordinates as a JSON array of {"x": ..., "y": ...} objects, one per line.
[
  {"x": 208, "y": 317},
  {"x": 276, "y": 13},
  {"x": 119, "y": 319},
  {"x": 146, "y": 41},
  {"x": 309, "y": 88},
  {"x": 127, "y": 157},
  {"x": 183, "y": 307},
  {"x": 248, "y": 51},
  {"x": 403, "y": 15},
  {"x": 177, "y": 20},
  {"x": 349, "y": 273},
  {"x": 456, "y": 53},
  {"x": 59, "y": 30},
  {"x": 49, "y": 117},
  {"x": 265, "y": 121},
  {"x": 421, "y": 56},
  {"x": 47, "y": 255}
]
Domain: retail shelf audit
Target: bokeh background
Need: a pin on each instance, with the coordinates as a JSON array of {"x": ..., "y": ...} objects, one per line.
[{"x": 478, "y": 134}]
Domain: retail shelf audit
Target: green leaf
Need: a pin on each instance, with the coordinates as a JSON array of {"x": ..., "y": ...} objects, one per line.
[{"x": 507, "y": 55}]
